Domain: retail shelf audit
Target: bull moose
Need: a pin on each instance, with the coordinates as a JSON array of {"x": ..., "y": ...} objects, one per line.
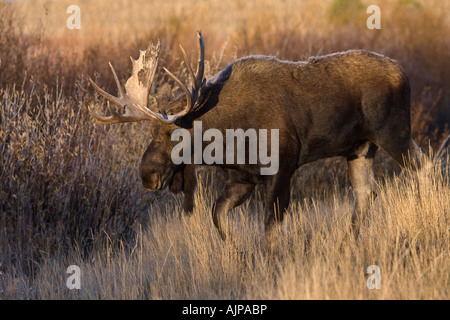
[{"x": 343, "y": 104}]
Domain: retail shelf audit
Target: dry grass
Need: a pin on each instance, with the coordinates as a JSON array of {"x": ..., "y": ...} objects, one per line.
[
  {"x": 183, "y": 258},
  {"x": 70, "y": 191}
]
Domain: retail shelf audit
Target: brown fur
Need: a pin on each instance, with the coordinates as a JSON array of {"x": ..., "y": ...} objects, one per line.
[{"x": 344, "y": 104}]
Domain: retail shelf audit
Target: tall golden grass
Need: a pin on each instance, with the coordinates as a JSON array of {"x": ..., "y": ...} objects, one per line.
[
  {"x": 70, "y": 191},
  {"x": 183, "y": 258}
]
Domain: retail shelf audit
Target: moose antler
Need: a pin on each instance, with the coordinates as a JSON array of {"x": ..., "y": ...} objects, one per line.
[
  {"x": 133, "y": 96},
  {"x": 197, "y": 79}
]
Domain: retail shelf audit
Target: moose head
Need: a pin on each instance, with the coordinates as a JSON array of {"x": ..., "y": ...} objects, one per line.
[{"x": 157, "y": 170}]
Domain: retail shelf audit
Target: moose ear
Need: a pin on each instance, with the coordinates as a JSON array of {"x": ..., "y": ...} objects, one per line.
[{"x": 165, "y": 93}]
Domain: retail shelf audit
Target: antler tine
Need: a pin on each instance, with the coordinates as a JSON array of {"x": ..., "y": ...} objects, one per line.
[
  {"x": 201, "y": 59},
  {"x": 180, "y": 83},
  {"x": 111, "y": 110},
  {"x": 105, "y": 94},
  {"x": 197, "y": 79},
  {"x": 104, "y": 119},
  {"x": 118, "y": 84},
  {"x": 188, "y": 65},
  {"x": 156, "y": 48},
  {"x": 182, "y": 86}
]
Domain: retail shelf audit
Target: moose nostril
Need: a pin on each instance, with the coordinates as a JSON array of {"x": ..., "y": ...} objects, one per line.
[{"x": 150, "y": 180}]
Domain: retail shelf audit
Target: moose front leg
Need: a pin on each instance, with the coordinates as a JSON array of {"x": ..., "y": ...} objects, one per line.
[
  {"x": 232, "y": 196},
  {"x": 190, "y": 181}
]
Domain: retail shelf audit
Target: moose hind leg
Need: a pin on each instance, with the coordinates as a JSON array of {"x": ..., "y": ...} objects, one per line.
[
  {"x": 360, "y": 167},
  {"x": 233, "y": 195},
  {"x": 410, "y": 157},
  {"x": 405, "y": 152}
]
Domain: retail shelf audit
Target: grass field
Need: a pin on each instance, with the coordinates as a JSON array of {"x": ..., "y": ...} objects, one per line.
[{"x": 70, "y": 192}]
